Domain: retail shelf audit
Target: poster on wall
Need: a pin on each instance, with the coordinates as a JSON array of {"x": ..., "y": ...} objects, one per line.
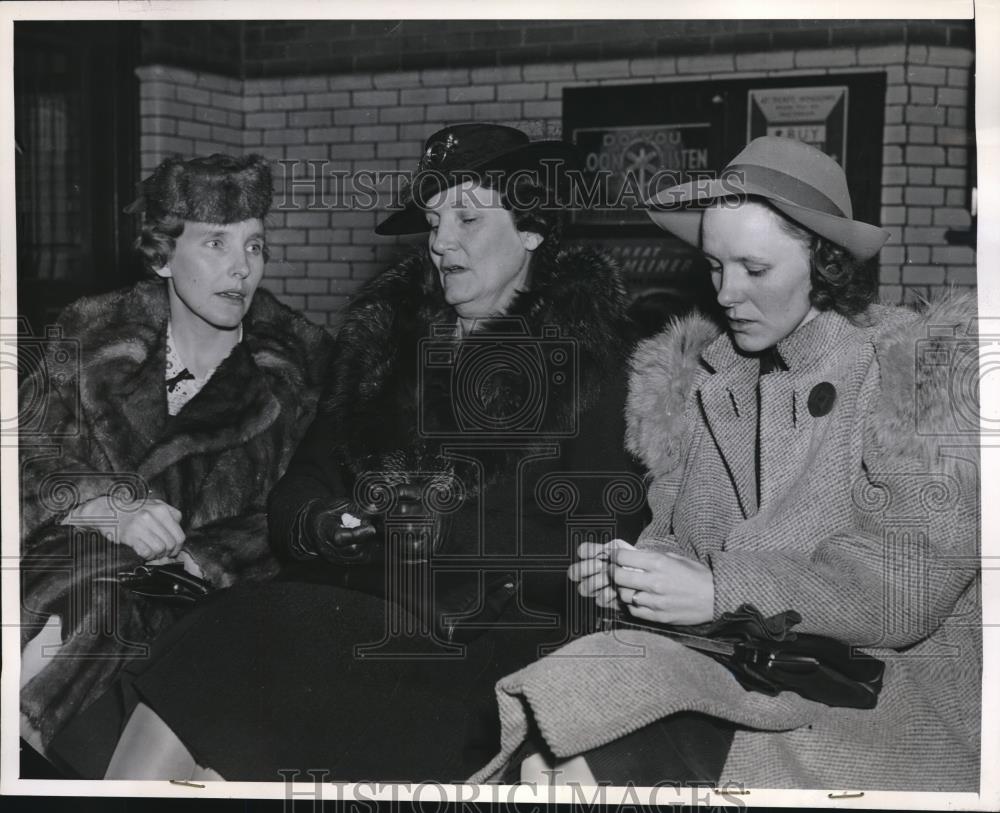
[
  {"x": 815, "y": 115},
  {"x": 624, "y": 166}
]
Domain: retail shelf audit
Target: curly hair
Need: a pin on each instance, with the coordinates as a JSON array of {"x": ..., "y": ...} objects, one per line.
[
  {"x": 838, "y": 280},
  {"x": 157, "y": 241}
]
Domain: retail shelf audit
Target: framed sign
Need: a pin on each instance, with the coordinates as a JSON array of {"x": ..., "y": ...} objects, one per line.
[
  {"x": 636, "y": 139},
  {"x": 815, "y": 115},
  {"x": 631, "y": 162}
]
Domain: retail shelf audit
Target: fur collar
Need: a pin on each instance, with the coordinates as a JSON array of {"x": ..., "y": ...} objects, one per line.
[
  {"x": 918, "y": 404},
  {"x": 664, "y": 371},
  {"x": 122, "y": 346},
  {"x": 385, "y": 400}
]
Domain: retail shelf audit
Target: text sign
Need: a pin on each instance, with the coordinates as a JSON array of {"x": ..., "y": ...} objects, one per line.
[{"x": 814, "y": 115}]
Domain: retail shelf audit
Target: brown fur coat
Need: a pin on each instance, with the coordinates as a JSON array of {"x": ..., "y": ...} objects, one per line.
[{"x": 101, "y": 427}]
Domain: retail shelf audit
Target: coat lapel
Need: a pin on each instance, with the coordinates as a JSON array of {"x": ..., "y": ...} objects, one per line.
[
  {"x": 729, "y": 402},
  {"x": 235, "y": 405},
  {"x": 123, "y": 352},
  {"x": 123, "y": 388},
  {"x": 784, "y": 434},
  {"x": 788, "y": 430}
]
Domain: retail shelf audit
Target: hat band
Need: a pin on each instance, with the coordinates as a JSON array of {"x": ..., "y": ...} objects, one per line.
[{"x": 792, "y": 189}]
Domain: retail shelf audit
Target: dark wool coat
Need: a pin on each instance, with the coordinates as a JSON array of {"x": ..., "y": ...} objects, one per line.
[
  {"x": 105, "y": 430},
  {"x": 523, "y": 419},
  {"x": 866, "y": 523}
]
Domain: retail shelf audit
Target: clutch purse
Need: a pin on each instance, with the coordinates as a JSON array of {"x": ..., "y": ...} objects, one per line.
[{"x": 170, "y": 583}]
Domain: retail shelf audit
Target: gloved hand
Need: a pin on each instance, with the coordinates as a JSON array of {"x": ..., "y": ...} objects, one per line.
[{"x": 340, "y": 532}]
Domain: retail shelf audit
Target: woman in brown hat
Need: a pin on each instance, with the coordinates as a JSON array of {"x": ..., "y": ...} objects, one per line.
[
  {"x": 473, "y": 435},
  {"x": 193, "y": 389},
  {"x": 811, "y": 458}
]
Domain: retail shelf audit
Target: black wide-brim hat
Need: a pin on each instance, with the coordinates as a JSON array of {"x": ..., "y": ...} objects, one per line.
[
  {"x": 802, "y": 182},
  {"x": 476, "y": 151}
]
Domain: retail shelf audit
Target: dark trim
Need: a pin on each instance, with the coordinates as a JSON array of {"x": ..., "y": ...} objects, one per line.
[{"x": 273, "y": 48}]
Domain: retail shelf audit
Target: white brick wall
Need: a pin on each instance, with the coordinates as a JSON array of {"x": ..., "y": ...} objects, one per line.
[{"x": 320, "y": 256}]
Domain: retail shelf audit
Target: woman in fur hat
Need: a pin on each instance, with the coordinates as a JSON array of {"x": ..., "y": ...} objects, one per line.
[
  {"x": 819, "y": 456},
  {"x": 192, "y": 392},
  {"x": 472, "y": 437}
]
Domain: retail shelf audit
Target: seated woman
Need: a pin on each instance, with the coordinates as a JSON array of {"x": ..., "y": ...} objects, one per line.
[
  {"x": 191, "y": 394},
  {"x": 807, "y": 459},
  {"x": 472, "y": 437}
]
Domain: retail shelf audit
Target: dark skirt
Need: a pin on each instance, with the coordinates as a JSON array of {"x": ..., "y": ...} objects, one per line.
[
  {"x": 268, "y": 680},
  {"x": 293, "y": 676}
]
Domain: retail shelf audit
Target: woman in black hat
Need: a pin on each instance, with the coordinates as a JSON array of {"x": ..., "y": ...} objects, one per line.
[
  {"x": 189, "y": 394},
  {"x": 471, "y": 439},
  {"x": 809, "y": 458}
]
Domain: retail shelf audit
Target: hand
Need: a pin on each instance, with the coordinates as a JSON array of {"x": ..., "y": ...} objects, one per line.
[
  {"x": 592, "y": 572},
  {"x": 184, "y": 558},
  {"x": 666, "y": 588},
  {"x": 153, "y": 530},
  {"x": 336, "y": 541}
]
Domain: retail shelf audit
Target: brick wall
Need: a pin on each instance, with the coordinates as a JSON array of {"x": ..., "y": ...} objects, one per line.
[
  {"x": 188, "y": 112},
  {"x": 378, "y": 120}
]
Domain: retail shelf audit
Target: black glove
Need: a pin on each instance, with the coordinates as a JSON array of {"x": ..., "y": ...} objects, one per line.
[{"x": 320, "y": 531}]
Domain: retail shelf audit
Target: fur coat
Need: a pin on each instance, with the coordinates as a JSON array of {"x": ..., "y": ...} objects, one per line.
[
  {"x": 865, "y": 522},
  {"x": 104, "y": 429},
  {"x": 521, "y": 422}
]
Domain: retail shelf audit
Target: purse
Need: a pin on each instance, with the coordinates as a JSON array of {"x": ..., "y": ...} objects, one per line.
[
  {"x": 169, "y": 583},
  {"x": 765, "y": 655}
]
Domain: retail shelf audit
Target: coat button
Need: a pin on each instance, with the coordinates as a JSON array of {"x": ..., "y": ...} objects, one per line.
[{"x": 821, "y": 399}]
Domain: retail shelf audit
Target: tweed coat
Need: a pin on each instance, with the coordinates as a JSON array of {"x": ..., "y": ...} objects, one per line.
[
  {"x": 866, "y": 523},
  {"x": 105, "y": 430}
]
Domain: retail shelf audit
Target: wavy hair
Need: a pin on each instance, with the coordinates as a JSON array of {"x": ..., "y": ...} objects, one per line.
[{"x": 838, "y": 280}]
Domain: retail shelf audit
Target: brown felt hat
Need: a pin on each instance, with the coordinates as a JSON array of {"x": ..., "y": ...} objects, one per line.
[{"x": 805, "y": 184}]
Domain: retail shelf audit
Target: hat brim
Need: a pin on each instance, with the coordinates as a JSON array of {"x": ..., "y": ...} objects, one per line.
[
  {"x": 676, "y": 210},
  {"x": 411, "y": 220}
]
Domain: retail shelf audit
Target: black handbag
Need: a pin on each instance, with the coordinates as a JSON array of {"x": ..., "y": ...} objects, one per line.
[
  {"x": 168, "y": 583},
  {"x": 765, "y": 655}
]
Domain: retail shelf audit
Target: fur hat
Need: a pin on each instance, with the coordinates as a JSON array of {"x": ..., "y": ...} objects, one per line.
[{"x": 217, "y": 189}]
